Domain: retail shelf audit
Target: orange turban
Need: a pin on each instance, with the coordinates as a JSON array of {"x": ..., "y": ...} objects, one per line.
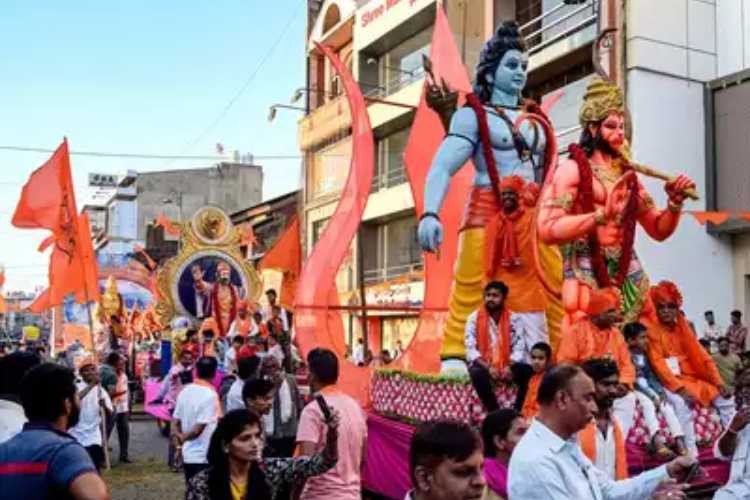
[
  {"x": 512, "y": 182},
  {"x": 210, "y": 324},
  {"x": 242, "y": 305},
  {"x": 603, "y": 300},
  {"x": 666, "y": 292},
  {"x": 87, "y": 360}
]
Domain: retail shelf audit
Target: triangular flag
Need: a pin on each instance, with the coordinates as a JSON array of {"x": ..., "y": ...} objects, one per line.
[{"x": 717, "y": 218}]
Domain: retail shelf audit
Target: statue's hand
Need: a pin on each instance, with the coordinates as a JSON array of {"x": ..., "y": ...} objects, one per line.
[
  {"x": 676, "y": 189},
  {"x": 530, "y": 194},
  {"x": 430, "y": 234},
  {"x": 617, "y": 199}
]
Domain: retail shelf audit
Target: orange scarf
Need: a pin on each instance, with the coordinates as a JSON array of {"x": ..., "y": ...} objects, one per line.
[
  {"x": 209, "y": 385},
  {"x": 587, "y": 439},
  {"x": 501, "y": 249},
  {"x": 530, "y": 406},
  {"x": 500, "y": 356}
]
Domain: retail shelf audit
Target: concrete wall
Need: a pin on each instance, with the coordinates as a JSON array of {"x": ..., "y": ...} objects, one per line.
[
  {"x": 666, "y": 65},
  {"x": 233, "y": 187},
  {"x": 732, "y": 35}
]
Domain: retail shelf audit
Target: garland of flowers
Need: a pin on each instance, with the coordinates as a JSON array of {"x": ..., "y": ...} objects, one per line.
[
  {"x": 586, "y": 198},
  {"x": 423, "y": 378}
]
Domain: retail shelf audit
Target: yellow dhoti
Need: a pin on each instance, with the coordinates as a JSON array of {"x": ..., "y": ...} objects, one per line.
[{"x": 470, "y": 276}]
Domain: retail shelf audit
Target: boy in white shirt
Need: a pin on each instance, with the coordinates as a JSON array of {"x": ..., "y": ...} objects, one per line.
[
  {"x": 94, "y": 399},
  {"x": 195, "y": 416}
]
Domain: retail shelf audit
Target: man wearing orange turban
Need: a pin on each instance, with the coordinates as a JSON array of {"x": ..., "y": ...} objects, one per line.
[
  {"x": 686, "y": 370},
  {"x": 509, "y": 258},
  {"x": 595, "y": 336}
]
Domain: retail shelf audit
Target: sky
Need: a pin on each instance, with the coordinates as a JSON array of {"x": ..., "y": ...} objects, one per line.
[{"x": 147, "y": 77}]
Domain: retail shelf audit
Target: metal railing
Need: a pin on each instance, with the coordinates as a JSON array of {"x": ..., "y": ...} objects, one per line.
[
  {"x": 558, "y": 23},
  {"x": 389, "y": 179},
  {"x": 395, "y": 84},
  {"x": 379, "y": 275}
]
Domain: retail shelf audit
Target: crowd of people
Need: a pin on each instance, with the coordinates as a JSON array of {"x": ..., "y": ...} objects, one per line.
[{"x": 255, "y": 433}]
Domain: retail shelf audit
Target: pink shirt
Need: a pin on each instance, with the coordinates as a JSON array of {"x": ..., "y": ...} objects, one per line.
[{"x": 343, "y": 481}]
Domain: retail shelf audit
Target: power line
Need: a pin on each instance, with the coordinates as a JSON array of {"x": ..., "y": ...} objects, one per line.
[
  {"x": 147, "y": 156},
  {"x": 247, "y": 83}
]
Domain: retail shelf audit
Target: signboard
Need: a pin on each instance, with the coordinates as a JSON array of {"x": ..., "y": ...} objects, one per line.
[
  {"x": 376, "y": 19},
  {"x": 102, "y": 180}
]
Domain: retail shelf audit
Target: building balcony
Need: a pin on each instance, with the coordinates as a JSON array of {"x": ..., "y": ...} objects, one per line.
[
  {"x": 325, "y": 123},
  {"x": 383, "y": 274},
  {"x": 561, "y": 28},
  {"x": 387, "y": 180}
]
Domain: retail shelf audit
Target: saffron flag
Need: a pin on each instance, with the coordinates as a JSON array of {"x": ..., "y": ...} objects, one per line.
[
  {"x": 48, "y": 202},
  {"x": 286, "y": 256},
  {"x": 717, "y": 218},
  {"x": 166, "y": 223}
]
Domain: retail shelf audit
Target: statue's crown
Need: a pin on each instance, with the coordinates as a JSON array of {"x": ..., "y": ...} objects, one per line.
[{"x": 601, "y": 99}]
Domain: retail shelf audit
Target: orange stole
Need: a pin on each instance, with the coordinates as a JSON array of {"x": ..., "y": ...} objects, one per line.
[
  {"x": 500, "y": 356},
  {"x": 526, "y": 290},
  {"x": 530, "y": 406},
  {"x": 243, "y": 326},
  {"x": 699, "y": 375},
  {"x": 585, "y": 341},
  {"x": 587, "y": 440}
]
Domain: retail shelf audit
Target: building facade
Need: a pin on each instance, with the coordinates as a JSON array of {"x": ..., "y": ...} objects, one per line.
[{"x": 667, "y": 55}]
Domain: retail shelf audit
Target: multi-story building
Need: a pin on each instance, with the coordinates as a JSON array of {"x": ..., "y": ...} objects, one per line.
[{"x": 666, "y": 54}]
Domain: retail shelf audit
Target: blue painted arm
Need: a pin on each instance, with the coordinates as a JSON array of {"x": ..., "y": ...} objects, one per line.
[{"x": 457, "y": 148}]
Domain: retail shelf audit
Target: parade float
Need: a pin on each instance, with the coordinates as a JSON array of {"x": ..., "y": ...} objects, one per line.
[{"x": 425, "y": 382}]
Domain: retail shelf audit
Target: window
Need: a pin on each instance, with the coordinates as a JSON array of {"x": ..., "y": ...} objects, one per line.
[
  {"x": 402, "y": 64},
  {"x": 390, "y": 160},
  {"x": 317, "y": 229},
  {"x": 392, "y": 249}
]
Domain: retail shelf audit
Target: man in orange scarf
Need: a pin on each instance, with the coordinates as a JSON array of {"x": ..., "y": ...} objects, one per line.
[
  {"x": 510, "y": 258},
  {"x": 596, "y": 336},
  {"x": 685, "y": 369},
  {"x": 488, "y": 338},
  {"x": 603, "y": 440}
]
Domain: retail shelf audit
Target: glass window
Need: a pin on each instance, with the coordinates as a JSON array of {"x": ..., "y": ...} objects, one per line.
[
  {"x": 390, "y": 160},
  {"x": 392, "y": 249},
  {"x": 403, "y": 63}
]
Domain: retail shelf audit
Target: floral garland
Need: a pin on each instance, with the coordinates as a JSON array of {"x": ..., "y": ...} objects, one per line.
[
  {"x": 586, "y": 197},
  {"x": 422, "y": 378}
]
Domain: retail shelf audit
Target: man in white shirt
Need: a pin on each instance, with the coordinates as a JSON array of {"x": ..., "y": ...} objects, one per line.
[
  {"x": 195, "y": 416},
  {"x": 230, "y": 358},
  {"x": 548, "y": 462},
  {"x": 734, "y": 445},
  {"x": 711, "y": 331},
  {"x": 12, "y": 369},
  {"x": 94, "y": 399},
  {"x": 496, "y": 350},
  {"x": 446, "y": 462}
]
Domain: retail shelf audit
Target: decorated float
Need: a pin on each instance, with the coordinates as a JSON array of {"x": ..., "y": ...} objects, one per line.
[{"x": 427, "y": 381}]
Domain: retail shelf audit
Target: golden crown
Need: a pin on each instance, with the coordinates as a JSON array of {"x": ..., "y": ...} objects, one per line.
[{"x": 601, "y": 99}]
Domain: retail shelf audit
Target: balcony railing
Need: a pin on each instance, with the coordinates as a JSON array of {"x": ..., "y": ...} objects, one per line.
[
  {"x": 374, "y": 276},
  {"x": 557, "y": 23},
  {"x": 389, "y": 179},
  {"x": 384, "y": 89}
]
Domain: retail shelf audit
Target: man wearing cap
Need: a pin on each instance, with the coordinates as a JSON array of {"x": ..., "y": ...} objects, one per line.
[
  {"x": 596, "y": 336},
  {"x": 94, "y": 400},
  {"x": 243, "y": 324}
]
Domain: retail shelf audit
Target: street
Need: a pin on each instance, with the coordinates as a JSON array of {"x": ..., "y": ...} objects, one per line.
[{"x": 148, "y": 477}]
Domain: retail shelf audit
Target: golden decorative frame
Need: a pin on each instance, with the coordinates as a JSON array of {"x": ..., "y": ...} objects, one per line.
[{"x": 194, "y": 246}]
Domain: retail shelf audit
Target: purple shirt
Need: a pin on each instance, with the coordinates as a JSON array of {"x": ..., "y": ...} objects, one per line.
[{"x": 496, "y": 475}]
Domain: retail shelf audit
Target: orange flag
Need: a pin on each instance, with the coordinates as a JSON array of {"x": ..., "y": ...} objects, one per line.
[
  {"x": 166, "y": 223},
  {"x": 48, "y": 202},
  {"x": 744, "y": 215},
  {"x": 286, "y": 256},
  {"x": 76, "y": 274},
  {"x": 713, "y": 217},
  {"x": 47, "y": 199}
]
